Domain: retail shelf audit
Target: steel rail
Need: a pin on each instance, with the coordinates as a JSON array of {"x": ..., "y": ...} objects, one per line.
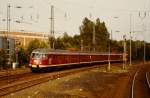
[
  {"x": 147, "y": 79},
  {"x": 133, "y": 84}
]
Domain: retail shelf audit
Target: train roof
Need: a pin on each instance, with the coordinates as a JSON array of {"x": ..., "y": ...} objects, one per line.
[{"x": 58, "y": 51}]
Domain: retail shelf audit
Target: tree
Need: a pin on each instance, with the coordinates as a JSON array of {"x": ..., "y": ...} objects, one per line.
[
  {"x": 76, "y": 43},
  {"x": 23, "y": 57},
  {"x": 51, "y": 41},
  {"x": 67, "y": 40},
  {"x": 101, "y": 35},
  {"x": 86, "y": 32},
  {"x": 36, "y": 44},
  {"x": 59, "y": 44}
]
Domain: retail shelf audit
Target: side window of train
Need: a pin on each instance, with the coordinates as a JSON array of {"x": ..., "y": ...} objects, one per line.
[
  {"x": 45, "y": 56},
  {"x": 50, "y": 60},
  {"x": 90, "y": 57}
]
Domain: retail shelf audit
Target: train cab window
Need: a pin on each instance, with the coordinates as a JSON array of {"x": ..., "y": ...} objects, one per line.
[{"x": 36, "y": 55}]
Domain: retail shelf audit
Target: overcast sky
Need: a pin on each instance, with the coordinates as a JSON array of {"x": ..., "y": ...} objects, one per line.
[{"x": 69, "y": 15}]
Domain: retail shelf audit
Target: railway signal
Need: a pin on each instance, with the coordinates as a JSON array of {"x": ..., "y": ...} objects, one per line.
[{"x": 17, "y": 44}]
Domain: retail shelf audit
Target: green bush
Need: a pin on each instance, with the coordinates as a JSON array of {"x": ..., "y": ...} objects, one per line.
[
  {"x": 3, "y": 60},
  {"x": 23, "y": 57}
]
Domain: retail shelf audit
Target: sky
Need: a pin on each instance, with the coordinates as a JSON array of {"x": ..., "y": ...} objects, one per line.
[{"x": 69, "y": 14}]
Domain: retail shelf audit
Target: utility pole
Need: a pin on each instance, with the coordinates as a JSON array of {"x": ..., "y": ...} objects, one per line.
[
  {"x": 109, "y": 50},
  {"x": 8, "y": 51},
  {"x": 144, "y": 53},
  {"x": 130, "y": 41},
  {"x": 81, "y": 44},
  {"x": 8, "y": 19},
  {"x": 142, "y": 18},
  {"x": 124, "y": 52},
  {"x": 51, "y": 37},
  {"x": 94, "y": 37},
  {"x": 109, "y": 56}
]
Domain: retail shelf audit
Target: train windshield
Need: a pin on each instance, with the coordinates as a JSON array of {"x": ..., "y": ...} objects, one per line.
[{"x": 37, "y": 55}]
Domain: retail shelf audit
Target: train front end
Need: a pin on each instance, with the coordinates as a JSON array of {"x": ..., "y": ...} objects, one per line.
[{"x": 38, "y": 61}]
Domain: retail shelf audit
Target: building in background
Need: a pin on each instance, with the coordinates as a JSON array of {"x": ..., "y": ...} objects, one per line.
[
  {"x": 23, "y": 37},
  {"x": 8, "y": 42}
]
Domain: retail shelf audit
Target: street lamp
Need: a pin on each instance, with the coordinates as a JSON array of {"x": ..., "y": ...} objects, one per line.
[
  {"x": 108, "y": 68},
  {"x": 109, "y": 56}
]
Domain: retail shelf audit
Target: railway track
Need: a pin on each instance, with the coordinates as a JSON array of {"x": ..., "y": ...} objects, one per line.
[
  {"x": 148, "y": 79},
  {"x": 141, "y": 83},
  {"x": 9, "y": 79},
  {"x": 6, "y": 73},
  {"x": 39, "y": 78}
]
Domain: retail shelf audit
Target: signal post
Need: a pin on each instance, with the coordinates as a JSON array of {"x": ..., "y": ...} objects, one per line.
[{"x": 124, "y": 52}]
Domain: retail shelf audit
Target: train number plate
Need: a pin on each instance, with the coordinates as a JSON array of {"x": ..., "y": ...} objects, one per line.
[{"x": 34, "y": 66}]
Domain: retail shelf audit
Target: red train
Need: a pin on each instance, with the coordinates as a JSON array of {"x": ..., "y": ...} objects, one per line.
[{"x": 47, "y": 58}]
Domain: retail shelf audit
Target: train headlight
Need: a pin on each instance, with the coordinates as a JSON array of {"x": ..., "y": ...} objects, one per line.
[{"x": 36, "y": 61}]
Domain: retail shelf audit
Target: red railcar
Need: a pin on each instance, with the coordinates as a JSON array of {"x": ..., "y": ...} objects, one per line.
[{"x": 47, "y": 58}]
